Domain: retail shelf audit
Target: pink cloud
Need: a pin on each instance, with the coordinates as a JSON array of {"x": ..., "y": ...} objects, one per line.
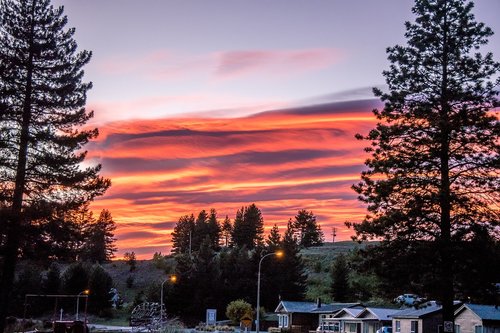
[{"x": 282, "y": 62}]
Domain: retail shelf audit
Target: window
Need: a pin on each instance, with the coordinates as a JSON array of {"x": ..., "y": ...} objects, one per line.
[
  {"x": 397, "y": 326},
  {"x": 414, "y": 326},
  {"x": 351, "y": 327},
  {"x": 283, "y": 321},
  {"x": 478, "y": 329},
  {"x": 457, "y": 328}
]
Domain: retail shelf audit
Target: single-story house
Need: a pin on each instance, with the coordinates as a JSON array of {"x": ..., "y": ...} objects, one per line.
[
  {"x": 425, "y": 319},
  {"x": 327, "y": 320},
  {"x": 477, "y": 318},
  {"x": 348, "y": 319},
  {"x": 306, "y": 316},
  {"x": 375, "y": 318}
]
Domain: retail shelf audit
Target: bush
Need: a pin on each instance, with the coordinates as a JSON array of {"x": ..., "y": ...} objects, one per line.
[{"x": 237, "y": 309}]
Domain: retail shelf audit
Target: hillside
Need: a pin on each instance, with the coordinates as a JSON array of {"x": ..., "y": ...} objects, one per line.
[{"x": 317, "y": 259}]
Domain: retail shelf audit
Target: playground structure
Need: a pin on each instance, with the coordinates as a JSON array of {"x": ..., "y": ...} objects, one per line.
[{"x": 63, "y": 326}]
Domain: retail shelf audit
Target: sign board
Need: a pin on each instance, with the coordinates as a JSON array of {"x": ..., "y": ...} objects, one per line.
[
  {"x": 448, "y": 326},
  {"x": 211, "y": 316}
]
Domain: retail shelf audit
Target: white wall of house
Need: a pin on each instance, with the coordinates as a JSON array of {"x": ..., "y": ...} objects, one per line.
[
  {"x": 468, "y": 322},
  {"x": 407, "y": 325}
]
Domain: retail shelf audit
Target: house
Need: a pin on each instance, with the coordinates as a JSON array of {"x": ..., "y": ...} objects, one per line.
[
  {"x": 425, "y": 319},
  {"x": 297, "y": 314},
  {"x": 374, "y": 318},
  {"x": 348, "y": 319},
  {"x": 306, "y": 316},
  {"x": 327, "y": 320},
  {"x": 476, "y": 318}
]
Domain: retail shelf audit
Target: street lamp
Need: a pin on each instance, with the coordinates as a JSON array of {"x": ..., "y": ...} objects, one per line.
[
  {"x": 278, "y": 254},
  {"x": 86, "y": 292},
  {"x": 172, "y": 278}
]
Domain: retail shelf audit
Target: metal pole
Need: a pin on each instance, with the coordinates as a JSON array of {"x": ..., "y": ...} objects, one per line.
[
  {"x": 85, "y": 319},
  {"x": 161, "y": 300},
  {"x": 77, "y": 305},
  {"x": 172, "y": 278},
  {"x": 257, "y": 321}
]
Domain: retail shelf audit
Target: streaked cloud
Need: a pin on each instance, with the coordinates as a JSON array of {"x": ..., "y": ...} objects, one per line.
[
  {"x": 274, "y": 62},
  {"x": 283, "y": 160}
]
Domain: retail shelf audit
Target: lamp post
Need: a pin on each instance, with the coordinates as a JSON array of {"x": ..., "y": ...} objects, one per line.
[
  {"x": 86, "y": 293},
  {"x": 257, "y": 321},
  {"x": 172, "y": 278}
]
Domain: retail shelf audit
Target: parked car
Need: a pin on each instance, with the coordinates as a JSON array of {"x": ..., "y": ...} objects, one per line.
[
  {"x": 407, "y": 299},
  {"x": 385, "y": 329}
]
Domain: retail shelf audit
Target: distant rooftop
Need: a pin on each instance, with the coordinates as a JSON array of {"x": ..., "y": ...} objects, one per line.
[{"x": 485, "y": 312}]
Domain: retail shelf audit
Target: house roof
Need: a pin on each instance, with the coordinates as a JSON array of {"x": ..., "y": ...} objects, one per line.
[
  {"x": 431, "y": 307},
  {"x": 485, "y": 312},
  {"x": 311, "y": 307},
  {"x": 353, "y": 312},
  {"x": 296, "y": 307},
  {"x": 378, "y": 313},
  {"x": 334, "y": 307}
]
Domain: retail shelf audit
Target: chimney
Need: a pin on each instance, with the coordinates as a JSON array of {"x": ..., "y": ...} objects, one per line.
[{"x": 318, "y": 302}]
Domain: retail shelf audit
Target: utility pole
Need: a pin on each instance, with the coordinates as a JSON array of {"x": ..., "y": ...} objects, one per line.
[{"x": 334, "y": 233}]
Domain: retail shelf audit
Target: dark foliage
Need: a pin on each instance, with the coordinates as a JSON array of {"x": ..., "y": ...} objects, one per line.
[
  {"x": 42, "y": 98},
  {"x": 99, "y": 239},
  {"x": 100, "y": 284},
  {"x": 310, "y": 232},
  {"x": 340, "y": 288},
  {"x": 248, "y": 228},
  {"x": 432, "y": 176}
]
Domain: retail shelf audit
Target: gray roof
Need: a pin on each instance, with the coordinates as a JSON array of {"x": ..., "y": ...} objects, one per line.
[
  {"x": 418, "y": 312},
  {"x": 334, "y": 307},
  {"x": 297, "y": 307},
  {"x": 312, "y": 307},
  {"x": 380, "y": 313},
  {"x": 353, "y": 312},
  {"x": 485, "y": 312}
]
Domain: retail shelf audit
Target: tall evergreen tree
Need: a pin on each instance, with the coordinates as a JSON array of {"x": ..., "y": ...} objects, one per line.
[
  {"x": 291, "y": 274},
  {"x": 310, "y": 231},
  {"x": 214, "y": 229},
  {"x": 340, "y": 288},
  {"x": 227, "y": 230},
  {"x": 248, "y": 229},
  {"x": 42, "y": 97},
  {"x": 273, "y": 241},
  {"x": 182, "y": 234},
  {"x": 200, "y": 230},
  {"x": 435, "y": 155},
  {"x": 99, "y": 244}
]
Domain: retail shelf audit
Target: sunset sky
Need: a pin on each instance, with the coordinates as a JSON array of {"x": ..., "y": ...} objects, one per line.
[{"x": 220, "y": 104}]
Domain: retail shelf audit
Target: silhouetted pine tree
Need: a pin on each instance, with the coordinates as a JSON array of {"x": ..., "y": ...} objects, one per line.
[
  {"x": 227, "y": 230},
  {"x": 182, "y": 234},
  {"x": 99, "y": 241},
  {"x": 248, "y": 229},
  {"x": 42, "y": 97},
  {"x": 435, "y": 155},
  {"x": 310, "y": 232},
  {"x": 340, "y": 288}
]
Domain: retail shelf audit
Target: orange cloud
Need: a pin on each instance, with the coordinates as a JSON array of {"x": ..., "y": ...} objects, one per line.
[{"x": 283, "y": 160}]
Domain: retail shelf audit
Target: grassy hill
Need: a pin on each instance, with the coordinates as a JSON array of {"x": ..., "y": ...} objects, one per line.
[{"x": 318, "y": 261}]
